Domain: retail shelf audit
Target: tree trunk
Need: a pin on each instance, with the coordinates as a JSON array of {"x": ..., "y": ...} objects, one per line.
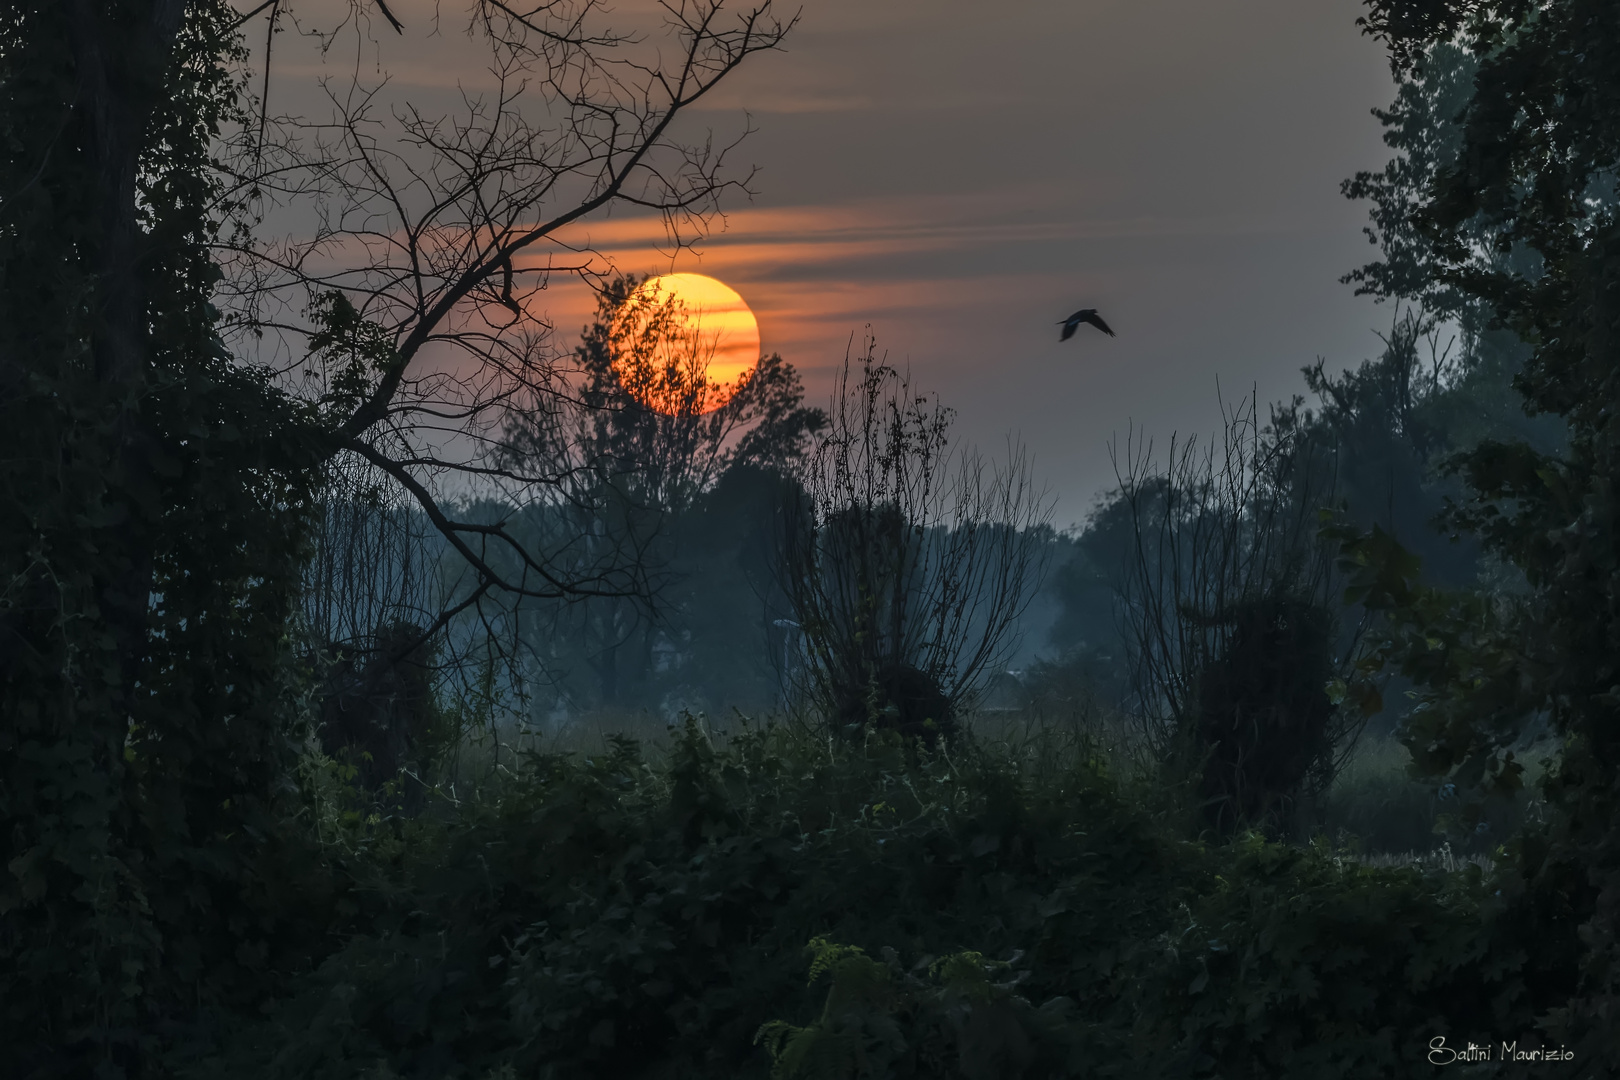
[{"x": 121, "y": 52}]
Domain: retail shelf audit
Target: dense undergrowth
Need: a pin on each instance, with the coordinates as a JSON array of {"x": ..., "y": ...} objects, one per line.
[{"x": 997, "y": 909}]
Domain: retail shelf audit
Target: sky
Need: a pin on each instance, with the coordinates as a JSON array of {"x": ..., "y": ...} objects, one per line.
[{"x": 955, "y": 178}]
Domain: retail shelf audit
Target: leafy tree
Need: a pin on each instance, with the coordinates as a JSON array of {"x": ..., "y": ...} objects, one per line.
[
  {"x": 151, "y": 519},
  {"x": 649, "y": 426},
  {"x": 379, "y": 712},
  {"x": 1444, "y": 380},
  {"x": 640, "y": 456},
  {"x": 1536, "y": 170},
  {"x": 1085, "y": 570},
  {"x": 643, "y": 916},
  {"x": 723, "y": 604}
]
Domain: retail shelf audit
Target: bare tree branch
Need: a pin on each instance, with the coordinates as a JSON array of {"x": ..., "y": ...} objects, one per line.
[
  {"x": 1226, "y": 575},
  {"x": 402, "y": 294},
  {"x": 907, "y": 564}
]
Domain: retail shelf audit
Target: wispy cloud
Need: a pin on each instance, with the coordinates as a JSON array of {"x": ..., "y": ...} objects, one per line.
[{"x": 814, "y": 273}]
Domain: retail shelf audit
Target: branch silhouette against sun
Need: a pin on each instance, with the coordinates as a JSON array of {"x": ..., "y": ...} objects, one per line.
[
  {"x": 649, "y": 438},
  {"x": 399, "y": 289},
  {"x": 649, "y": 422}
]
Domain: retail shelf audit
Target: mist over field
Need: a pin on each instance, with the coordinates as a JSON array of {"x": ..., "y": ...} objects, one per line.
[{"x": 1075, "y": 561}]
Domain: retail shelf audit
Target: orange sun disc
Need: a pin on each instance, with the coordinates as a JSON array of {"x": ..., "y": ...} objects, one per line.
[{"x": 721, "y": 337}]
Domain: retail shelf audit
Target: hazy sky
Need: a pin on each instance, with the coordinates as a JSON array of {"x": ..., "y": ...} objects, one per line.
[{"x": 961, "y": 176}]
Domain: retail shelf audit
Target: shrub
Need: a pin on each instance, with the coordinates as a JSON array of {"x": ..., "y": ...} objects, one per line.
[
  {"x": 1263, "y": 721},
  {"x": 611, "y": 915}
]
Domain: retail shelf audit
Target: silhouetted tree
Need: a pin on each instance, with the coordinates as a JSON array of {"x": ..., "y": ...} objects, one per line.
[
  {"x": 379, "y": 710},
  {"x": 1084, "y": 580},
  {"x": 1444, "y": 380},
  {"x": 1263, "y": 722},
  {"x": 1536, "y": 171},
  {"x": 1228, "y": 606},
  {"x": 408, "y": 300},
  {"x": 161, "y": 460},
  {"x": 635, "y": 456},
  {"x": 906, "y": 564}
]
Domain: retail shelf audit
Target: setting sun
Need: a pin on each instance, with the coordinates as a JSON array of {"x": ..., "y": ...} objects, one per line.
[{"x": 724, "y": 333}]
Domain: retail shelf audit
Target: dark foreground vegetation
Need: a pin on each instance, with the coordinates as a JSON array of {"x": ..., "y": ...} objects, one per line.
[
  {"x": 287, "y": 783},
  {"x": 1003, "y": 909}
]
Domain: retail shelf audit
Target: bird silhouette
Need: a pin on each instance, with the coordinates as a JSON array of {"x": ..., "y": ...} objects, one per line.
[{"x": 1084, "y": 315}]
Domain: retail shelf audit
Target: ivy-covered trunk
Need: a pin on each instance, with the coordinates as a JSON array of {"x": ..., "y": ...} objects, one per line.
[
  {"x": 81, "y": 81},
  {"x": 150, "y": 497}
]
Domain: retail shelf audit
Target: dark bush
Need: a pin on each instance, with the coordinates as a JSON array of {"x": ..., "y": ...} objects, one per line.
[
  {"x": 378, "y": 710},
  {"x": 1263, "y": 721},
  {"x": 615, "y": 916},
  {"x": 899, "y": 697}
]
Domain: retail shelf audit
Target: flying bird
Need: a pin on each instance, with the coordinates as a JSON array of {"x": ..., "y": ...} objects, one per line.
[{"x": 1084, "y": 315}]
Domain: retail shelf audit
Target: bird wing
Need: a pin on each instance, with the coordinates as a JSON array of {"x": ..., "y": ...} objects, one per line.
[
  {"x": 1069, "y": 327},
  {"x": 1096, "y": 320}
]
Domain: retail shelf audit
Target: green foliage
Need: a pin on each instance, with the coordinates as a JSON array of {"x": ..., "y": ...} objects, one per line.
[
  {"x": 1474, "y": 700},
  {"x": 615, "y": 915},
  {"x": 956, "y": 1016},
  {"x": 151, "y": 511},
  {"x": 1535, "y": 173},
  {"x": 1299, "y": 964},
  {"x": 618, "y": 916},
  {"x": 1292, "y": 963}
]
